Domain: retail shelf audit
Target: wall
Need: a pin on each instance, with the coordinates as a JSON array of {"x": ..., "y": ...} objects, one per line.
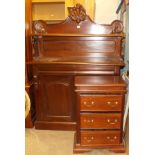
[
  {"x": 105, "y": 11},
  {"x": 125, "y": 19}
]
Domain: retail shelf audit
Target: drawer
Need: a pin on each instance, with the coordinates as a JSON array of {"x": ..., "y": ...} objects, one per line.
[
  {"x": 101, "y": 102},
  {"x": 100, "y": 137},
  {"x": 100, "y": 121}
]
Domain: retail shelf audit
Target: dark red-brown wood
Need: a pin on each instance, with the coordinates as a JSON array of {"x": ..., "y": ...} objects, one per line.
[
  {"x": 100, "y": 121},
  {"x": 100, "y": 108},
  {"x": 76, "y": 66}
]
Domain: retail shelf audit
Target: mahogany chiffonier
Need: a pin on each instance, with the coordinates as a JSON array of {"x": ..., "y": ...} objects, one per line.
[{"x": 65, "y": 56}]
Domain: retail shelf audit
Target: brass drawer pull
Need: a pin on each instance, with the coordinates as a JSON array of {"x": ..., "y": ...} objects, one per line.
[
  {"x": 89, "y": 104},
  {"x": 112, "y": 104},
  {"x": 111, "y": 138},
  {"x": 109, "y": 121},
  {"x": 89, "y": 121},
  {"x": 89, "y": 139}
]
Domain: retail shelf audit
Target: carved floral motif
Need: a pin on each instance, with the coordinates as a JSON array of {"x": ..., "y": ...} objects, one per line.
[{"x": 77, "y": 13}]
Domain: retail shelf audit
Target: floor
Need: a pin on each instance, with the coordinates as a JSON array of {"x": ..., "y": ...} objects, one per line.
[{"x": 47, "y": 142}]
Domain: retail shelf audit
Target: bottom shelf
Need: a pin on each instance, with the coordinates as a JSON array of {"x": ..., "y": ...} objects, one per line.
[{"x": 77, "y": 148}]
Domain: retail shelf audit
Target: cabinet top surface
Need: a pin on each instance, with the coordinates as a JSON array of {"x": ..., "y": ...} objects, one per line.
[
  {"x": 79, "y": 60},
  {"x": 99, "y": 81}
]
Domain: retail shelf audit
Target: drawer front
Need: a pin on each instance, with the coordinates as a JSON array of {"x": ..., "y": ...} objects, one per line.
[
  {"x": 101, "y": 102},
  {"x": 100, "y": 137},
  {"x": 100, "y": 121}
]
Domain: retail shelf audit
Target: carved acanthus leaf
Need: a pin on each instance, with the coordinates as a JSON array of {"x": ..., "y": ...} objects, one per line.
[{"x": 77, "y": 13}]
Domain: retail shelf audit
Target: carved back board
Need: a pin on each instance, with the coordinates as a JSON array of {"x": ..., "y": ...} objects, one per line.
[{"x": 77, "y": 36}]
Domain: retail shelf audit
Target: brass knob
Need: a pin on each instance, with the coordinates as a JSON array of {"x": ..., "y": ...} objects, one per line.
[{"x": 85, "y": 103}]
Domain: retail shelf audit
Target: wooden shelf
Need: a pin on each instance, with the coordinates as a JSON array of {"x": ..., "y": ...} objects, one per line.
[
  {"x": 55, "y": 21},
  {"x": 48, "y": 11}
]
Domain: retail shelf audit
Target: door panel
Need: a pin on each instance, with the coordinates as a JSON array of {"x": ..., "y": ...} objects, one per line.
[{"x": 56, "y": 98}]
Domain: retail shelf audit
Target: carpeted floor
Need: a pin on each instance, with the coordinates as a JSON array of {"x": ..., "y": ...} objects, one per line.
[{"x": 48, "y": 142}]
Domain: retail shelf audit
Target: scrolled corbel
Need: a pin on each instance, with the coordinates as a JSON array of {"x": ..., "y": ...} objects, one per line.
[
  {"x": 117, "y": 26},
  {"x": 39, "y": 26}
]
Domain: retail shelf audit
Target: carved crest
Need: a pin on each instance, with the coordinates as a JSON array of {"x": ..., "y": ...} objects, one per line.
[{"x": 77, "y": 13}]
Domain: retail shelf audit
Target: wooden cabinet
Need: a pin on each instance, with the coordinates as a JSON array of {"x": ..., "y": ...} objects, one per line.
[
  {"x": 49, "y": 10},
  {"x": 55, "y": 102},
  {"x": 76, "y": 66},
  {"x": 100, "y": 118}
]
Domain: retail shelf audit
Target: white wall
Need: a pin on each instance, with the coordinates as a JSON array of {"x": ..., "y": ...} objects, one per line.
[{"x": 105, "y": 11}]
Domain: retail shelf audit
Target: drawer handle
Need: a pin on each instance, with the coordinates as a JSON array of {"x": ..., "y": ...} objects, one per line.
[
  {"x": 89, "y": 104},
  {"x": 111, "y": 138},
  {"x": 89, "y": 139},
  {"x": 110, "y": 103},
  {"x": 109, "y": 121},
  {"x": 89, "y": 121}
]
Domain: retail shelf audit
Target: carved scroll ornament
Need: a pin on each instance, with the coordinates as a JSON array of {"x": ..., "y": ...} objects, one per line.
[
  {"x": 39, "y": 26},
  {"x": 117, "y": 26},
  {"x": 77, "y": 13}
]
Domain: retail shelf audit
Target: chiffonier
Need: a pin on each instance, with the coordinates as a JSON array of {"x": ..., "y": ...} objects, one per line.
[{"x": 76, "y": 75}]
